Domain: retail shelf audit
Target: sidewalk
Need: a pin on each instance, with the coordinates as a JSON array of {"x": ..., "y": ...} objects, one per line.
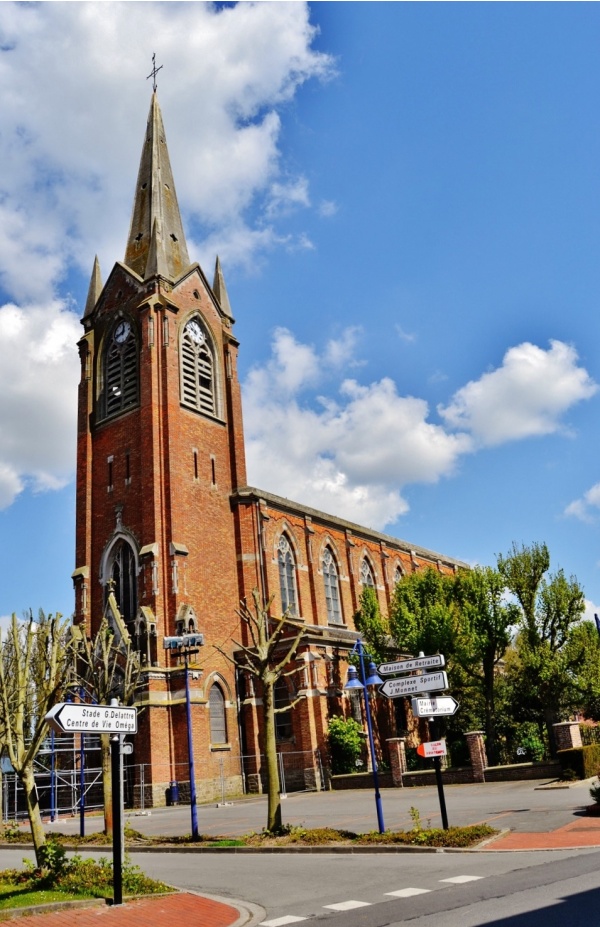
[
  {"x": 584, "y": 832},
  {"x": 160, "y": 911}
]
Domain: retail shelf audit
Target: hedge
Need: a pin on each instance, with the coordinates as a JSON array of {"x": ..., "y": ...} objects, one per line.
[{"x": 584, "y": 761}]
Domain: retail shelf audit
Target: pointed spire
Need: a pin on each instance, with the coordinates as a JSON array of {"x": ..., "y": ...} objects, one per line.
[
  {"x": 156, "y": 229},
  {"x": 220, "y": 290},
  {"x": 94, "y": 290}
]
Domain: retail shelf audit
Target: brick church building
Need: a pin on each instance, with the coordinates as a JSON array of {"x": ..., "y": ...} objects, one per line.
[{"x": 169, "y": 532}]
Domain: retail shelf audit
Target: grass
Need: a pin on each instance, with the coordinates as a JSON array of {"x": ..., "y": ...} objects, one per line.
[
  {"x": 69, "y": 879},
  {"x": 419, "y": 835}
]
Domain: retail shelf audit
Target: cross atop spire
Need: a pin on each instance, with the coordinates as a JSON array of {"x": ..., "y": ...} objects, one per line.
[
  {"x": 156, "y": 242},
  {"x": 154, "y": 71}
]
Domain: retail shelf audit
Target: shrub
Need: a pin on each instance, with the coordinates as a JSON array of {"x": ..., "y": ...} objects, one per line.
[
  {"x": 346, "y": 741},
  {"x": 584, "y": 761}
]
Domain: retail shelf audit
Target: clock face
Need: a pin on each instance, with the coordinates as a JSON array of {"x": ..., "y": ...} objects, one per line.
[
  {"x": 195, "y": 332},
  {"x": 122, "y": 331}
]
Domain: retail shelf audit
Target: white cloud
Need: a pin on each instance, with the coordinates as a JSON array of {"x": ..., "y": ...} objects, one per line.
[
  {"x": 355, "y": 451},
  {"x": 68, "y": 171},
  {"x": 327, "y": 208},
  {"x": 591, "y": 609},
  {"x": 523, "y": 398},
  {"x": 352, "y": 454},
  {"x": 39, "y": 369},
  {"x": 409, "y": 337},
  {"x": 585, "y": 508}
]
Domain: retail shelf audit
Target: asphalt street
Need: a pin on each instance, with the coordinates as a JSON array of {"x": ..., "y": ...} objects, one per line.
[{"x": 519, "y": 806}]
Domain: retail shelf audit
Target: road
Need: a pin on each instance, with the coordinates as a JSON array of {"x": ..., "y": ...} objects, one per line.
[
  {"x": 456, "y": 889},
  {"x": 520, "y": 806}
]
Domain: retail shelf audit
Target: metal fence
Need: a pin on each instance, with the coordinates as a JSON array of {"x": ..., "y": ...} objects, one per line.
[{"x": 68, "y": 778}]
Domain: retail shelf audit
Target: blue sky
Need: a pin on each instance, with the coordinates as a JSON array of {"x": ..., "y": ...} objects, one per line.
[{"x": 405, "y": 200}]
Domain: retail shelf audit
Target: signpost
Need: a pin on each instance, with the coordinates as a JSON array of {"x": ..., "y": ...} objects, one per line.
[
  {"x": 432, "y": 748},
  {"x": 436, "y": 660},
  {"x": 427, "y": 680},
  {"x": 113, "y": 719},
  {"x": 68, "y": 717},
  {"x": 434, "y": 707},
  {"x": 410, "y": 685}
]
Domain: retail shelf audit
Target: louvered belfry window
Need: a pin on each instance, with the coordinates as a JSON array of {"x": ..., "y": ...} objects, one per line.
[
  {"x": 120, "y": 370},
  {"x": 197, "y": 369}
]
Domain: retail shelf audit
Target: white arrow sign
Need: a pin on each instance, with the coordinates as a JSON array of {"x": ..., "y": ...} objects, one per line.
[
  {"x": 97, "y": 719},
  {"x": 434, "y": 707},
  {"x": 407, "y": 666},
  {"x": 409, "y": 685}
]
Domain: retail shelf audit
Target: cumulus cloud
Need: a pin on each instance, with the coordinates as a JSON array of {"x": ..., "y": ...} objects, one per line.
[
  {"x": 525, "y": 397},
  {"x": 355, "y": 449},
  {"x": 585, "y": 508},
  {"x": 68, "y": 175},
  {"x": 39, "y": 369},
  {"x": 351, "y": 453}
]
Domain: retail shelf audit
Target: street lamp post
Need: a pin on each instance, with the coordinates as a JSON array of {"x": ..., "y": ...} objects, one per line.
[
  {"x": 353, "y": 682},
  {"x": 185, "y": 645}
]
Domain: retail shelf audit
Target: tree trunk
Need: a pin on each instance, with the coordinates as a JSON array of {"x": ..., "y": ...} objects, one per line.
[
  {"x": 107, "y": 784},
  {"x": 274, "y": 821},
  {"x": 490, "y": 713},
  {"x": 33, "y": 812}
]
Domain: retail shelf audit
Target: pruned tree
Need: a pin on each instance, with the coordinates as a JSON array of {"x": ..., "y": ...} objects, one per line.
[
  {"x": 36, "y": 660},
  {"x": 108, "y": 667},
  {"x": 272, "y": 643}
]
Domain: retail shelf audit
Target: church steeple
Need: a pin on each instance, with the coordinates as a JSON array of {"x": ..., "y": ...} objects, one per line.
[{"x": 156, "y": 242}]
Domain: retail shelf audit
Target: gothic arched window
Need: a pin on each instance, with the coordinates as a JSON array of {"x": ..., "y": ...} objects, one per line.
[
  {"x": 397, "y": 575},
  {"x": 123, "y": 573},
  {"x": 217, "y": 715},
  {"x": 283, "y": 718},
  {"x": 120, "y": 390},
  {"x": 332, "y": 588},
  {"x": 287, "y": 576},
  {"x": 198, "y": 369},
  {"x": 366, "y": 574}
]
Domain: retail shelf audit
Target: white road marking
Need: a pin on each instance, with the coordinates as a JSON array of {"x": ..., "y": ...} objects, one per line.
[
  {"x": 282, "y": 921},
  {"x": 348, "y": 905},
  {"x": 458, "y": 880},
  {"x": 409, "y": 892}
]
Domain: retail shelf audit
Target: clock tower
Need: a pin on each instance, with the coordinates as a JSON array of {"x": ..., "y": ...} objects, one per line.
[{"x": 160, "y": 453}]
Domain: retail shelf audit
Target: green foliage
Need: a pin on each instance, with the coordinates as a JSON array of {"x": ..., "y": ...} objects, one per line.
[
  {"x": 372, "y": 626},
  {"x": 584, "y": 761},
  {"x": 346, "y": 740},
  {"x": 595, "y": 791}
]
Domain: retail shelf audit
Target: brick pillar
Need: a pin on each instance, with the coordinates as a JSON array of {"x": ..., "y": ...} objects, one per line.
[
  {"x": 397, "y": 750},
  {"x": 477, "y": 753},
  {"x": 567, "y": 735}
]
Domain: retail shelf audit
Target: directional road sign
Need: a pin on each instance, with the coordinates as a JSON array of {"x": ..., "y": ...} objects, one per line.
[
  {"x": 432, "y": 748},
  {"x": 97, "y": 719},
  {"x": 407, "y": 666},
  {"x": 434, "y": 707},
  {"x": 410, "y": 685}
]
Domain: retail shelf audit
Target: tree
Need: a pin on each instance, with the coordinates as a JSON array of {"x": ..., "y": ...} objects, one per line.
[
  {"x": 551, "y": 607},
  {"x": 371, "y": 624},
  {"x": 36, "y": 660},
  {"x": 423, "y": 614},
  {"x": 108, "y": 667},
  {"x": 484, "y": 634},
  {"x": 272, "y": 642}
]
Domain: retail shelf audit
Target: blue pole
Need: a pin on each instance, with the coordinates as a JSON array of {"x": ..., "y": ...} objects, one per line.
[
  {"x": 82, "y": 787},
  {"x": 52, "y": 780},
  {"x": 188, "y": 709},
  {"x": 363, "y": 679}
]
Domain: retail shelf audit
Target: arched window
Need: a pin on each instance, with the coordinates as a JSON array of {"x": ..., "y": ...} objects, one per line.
[
  {"x": 198, "y": 380},
  {"x": 287, "y": 576},
  {"x": 283, "y": 719},
  {"x": 123, "y": 573},
  {"x": 217, "y": 714},
  {"x": 366, "y": 574},
  {"x": 120, "y": 390},
  {"x": 332, "y": 588},
  {"x": 397, "y": 575}
]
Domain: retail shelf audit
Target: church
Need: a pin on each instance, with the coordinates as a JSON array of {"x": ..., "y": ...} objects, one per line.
[{"x": 170, "y": 536}]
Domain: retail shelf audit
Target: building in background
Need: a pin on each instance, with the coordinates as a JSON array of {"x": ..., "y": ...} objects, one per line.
[{"x": 166, "y": 520}]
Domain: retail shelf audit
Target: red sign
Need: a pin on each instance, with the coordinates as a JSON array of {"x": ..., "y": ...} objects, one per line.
[{"x": 432, "y": 748}]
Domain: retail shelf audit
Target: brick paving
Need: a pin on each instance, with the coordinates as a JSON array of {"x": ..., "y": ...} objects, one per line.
[
  {"x": 584, "y": 832},
  {"x": 160, "y": 911}
]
